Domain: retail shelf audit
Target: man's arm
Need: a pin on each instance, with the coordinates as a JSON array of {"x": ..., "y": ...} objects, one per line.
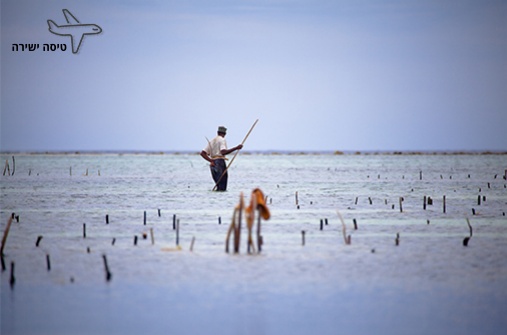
[
  {"x": 204, "y": 155},
  {"x": 228, "y": 151}
]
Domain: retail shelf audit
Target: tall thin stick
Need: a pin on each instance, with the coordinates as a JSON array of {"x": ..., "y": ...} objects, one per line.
[
  {"x": 6, "y": 233},
  {"x": 237, "y": 228},
  {"x": 467, "y": 239},
  {"x": 232, "y": 160},
  {"x": 344, "y": 229}
]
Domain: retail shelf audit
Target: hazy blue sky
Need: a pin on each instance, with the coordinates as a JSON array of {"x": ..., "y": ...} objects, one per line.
[{"x": 320, "y": 75}]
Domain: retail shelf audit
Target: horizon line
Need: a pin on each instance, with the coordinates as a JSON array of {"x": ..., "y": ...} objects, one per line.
[{"x": 259, "y": 152}]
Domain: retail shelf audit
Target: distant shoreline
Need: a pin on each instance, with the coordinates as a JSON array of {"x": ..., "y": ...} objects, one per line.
[{"x": 260, "y": 152}]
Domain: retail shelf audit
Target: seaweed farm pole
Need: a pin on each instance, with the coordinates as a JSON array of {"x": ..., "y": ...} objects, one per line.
[
  {"x": 84, "y": 230},
  {"x": 7, "y": 168},
  {"x": 467, "y": 239},
  {"x": 12, "y": 279},
  {"x": 444, "y": 203},
  {"x": 6, "y": 233},
  {"x": 303, "y": 237},
  {"x": 237, "y": 229},
  {"x": 259, "y": 236},
  {"x": 48, "y": 262},
  {"x": 178, "y": 232},
  {"x": 108, "y": 273}
]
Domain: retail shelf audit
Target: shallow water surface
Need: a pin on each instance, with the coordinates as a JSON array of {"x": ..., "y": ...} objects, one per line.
[{"x": 429, "y": 282}]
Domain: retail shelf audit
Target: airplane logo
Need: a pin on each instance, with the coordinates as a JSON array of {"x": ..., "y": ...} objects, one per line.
[{"x": 74, "y": 29}]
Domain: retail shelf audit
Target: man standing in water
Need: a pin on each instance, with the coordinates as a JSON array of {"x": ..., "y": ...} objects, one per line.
[{"x": 215, "y": 153}]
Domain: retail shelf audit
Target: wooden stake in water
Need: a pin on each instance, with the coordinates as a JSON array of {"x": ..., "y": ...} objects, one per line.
[
  {"x": 84, "y": 230},
  {"x": 178, "y": 232},
  {"x": 48, "y": 262},
  {"x": 467, "y": 239},
  {"x": 6, "y": 233},
  {"x": 12, "y": 279},
  {"x": 106, "y": 266},
  {"x": 7, "y": 168},
  {"x": 259, "y": 236},
  {"x": 152, "y": 237},
  {"x": 444, "y": 203},
  {"x": 303, "y": 237},
  {"x": 192, "y": 244},
  {"x": 346, "y": 238},
  {"x": 237, "y": 231},
  {"x": 144, "y": 220},
  {"x": 39, "y": 238}
]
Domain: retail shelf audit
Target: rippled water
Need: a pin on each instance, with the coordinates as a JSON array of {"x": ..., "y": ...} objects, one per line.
[{"x": 430, "y": 282}]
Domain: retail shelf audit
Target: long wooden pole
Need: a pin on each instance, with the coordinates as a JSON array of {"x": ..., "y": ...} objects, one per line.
[{"x": 232, "y": 160}]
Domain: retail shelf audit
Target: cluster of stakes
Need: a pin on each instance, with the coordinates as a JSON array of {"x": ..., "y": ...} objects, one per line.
[{"x": 251, "y": 214}]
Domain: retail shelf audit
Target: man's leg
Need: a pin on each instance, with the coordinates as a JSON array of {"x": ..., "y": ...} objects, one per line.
[
  {"x": 216, "y": 173},
  {"x": 222, "y": 185}
]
